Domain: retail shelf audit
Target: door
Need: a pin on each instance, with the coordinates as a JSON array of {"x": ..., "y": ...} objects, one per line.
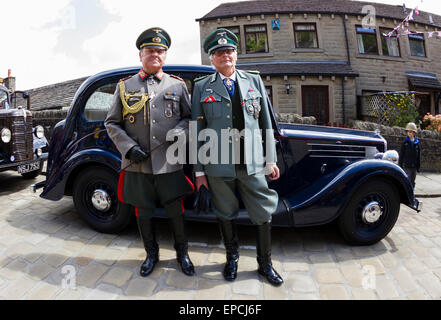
[{"x": 315, "y": 102}]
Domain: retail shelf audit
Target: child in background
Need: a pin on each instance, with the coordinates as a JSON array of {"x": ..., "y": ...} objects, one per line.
[{"x": 410, "y": 154}]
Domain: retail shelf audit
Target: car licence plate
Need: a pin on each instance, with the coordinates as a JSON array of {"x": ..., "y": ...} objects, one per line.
[{"x": 28, "y": 167}]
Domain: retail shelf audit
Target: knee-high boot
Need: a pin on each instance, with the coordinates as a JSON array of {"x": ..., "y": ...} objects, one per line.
[
  {"x": 181, "y": 244},
  {"x": 228, "y": 230},
  {"x": 264, "y": 255},
  {"x": 147, "y": 232}
]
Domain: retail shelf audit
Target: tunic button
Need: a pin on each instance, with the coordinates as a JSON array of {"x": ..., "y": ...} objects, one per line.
[
  {"x": 153, "y": 137},
  {"x": 231, "y": 142},
  {"x": 228, "y": 104},
  {"x": 228, "y": 117},
  {"x": 153, "y": 106},
  {"x": 154, "y": 121}
]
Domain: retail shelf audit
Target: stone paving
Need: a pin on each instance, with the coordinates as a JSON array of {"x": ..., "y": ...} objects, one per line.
[{"x": 47, "y": 252}]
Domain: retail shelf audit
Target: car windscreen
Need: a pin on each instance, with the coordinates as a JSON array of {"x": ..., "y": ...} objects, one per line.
[{"x": 4, "y": 103}]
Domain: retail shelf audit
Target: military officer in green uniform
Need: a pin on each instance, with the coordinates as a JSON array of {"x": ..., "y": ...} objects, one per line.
[
  {"x": 146, "y": 107},
  {"x": 232, "y": 100}
]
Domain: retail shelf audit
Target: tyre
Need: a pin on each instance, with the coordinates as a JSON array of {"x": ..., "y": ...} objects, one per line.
[
  {"x": 370, "y": 213},
  {"x": 33, "y": 174},
  {"x": 95, "y": 198}
]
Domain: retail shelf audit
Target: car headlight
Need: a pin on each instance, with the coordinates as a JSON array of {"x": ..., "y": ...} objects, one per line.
[
  {"x": 6, "y": 135},
  {"x": 39, "y": 132},
  {"x": 391, "y": 155}
]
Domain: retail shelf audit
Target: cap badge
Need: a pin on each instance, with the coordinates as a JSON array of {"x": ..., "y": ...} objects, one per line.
[
  {"x": 222, "y": 41},
  {"x": 156, "y": 39}
]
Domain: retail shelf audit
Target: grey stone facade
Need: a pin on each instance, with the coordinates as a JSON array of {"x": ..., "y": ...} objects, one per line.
[{"x": 335, "y": 21}]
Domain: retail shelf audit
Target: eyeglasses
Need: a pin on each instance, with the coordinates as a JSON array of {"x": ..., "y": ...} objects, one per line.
[
  {"x": 221, "y": 52},
  {"x": 153, "y": 50}
]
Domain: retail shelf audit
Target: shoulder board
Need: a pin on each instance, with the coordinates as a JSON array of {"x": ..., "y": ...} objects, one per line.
[
  {"x": 253, "y": 71},
  {"x": 176, "y": 77},
  {"x": 200, "y": 78},
  {"x": 124, "y": 79}
]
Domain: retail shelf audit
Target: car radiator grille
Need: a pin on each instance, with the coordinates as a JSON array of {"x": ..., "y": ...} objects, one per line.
[
  {"x": 22, "y": 140},
  {"x": 336, "y": 151}
]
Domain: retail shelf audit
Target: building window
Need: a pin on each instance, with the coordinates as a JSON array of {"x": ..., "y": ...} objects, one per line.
[
  {"x": 269, "y": 91},
  {"x": 305, "y": 35},
  {"x": 236, "y": 31},
  {"x": 390, "y": 45},
  {"x": 367, "y": 40},
  {"x": 256, "y": 39},
  {"x": 416, "y": 43}
]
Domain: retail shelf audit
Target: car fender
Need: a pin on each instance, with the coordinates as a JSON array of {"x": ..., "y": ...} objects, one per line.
[
  {"x": 56, "y": 185},
  {"x": 312, "y": 207}
]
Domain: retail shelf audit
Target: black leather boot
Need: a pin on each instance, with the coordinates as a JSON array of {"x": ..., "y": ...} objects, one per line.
[
  {"x": 228, "y": 230},
  {"x": 181, "y": 244},
  {"x": 264, "y": 255},
  {"x": 147, "y": 232}
]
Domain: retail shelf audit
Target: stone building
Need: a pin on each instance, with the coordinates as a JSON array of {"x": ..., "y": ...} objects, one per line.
[{"x": 316, "y": 57}]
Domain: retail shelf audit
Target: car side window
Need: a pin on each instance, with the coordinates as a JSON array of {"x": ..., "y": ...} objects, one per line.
[{"x": 99, "y": 102}]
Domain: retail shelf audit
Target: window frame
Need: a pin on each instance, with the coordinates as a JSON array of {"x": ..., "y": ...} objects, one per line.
[
  {"x": 423, "y": 40},
  {"x": 239, "y": 47},
  {"x": 306, "y": 24},
  {"x": 368, "y": 33},
  {"x": 387, "y": 30},
  {"x": 267, "y": 49}
]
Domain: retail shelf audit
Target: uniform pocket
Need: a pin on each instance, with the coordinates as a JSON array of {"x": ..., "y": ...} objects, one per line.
[
  {"x": 212, "y": 105},
  {"x": 171, "y": 105}
]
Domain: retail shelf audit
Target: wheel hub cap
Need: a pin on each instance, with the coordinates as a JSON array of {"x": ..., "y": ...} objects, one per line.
[
  {"x": 372, "y": 212},
  {"x": 101, "y": 200}
]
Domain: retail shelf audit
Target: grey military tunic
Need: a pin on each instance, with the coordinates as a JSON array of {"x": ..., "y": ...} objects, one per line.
[
  {"x": 147, "y": 124},
  {"x": 168, "y": 108}
]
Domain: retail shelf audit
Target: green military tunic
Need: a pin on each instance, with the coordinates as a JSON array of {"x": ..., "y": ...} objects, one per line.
[{"x": 213, "y": 108}]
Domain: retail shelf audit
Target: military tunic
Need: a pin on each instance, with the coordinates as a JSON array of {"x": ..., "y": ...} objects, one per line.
[
  {"x": 144, "y": 109},
  {"x": 168, "y": 108},
  {"x": 213, "y": 108}
]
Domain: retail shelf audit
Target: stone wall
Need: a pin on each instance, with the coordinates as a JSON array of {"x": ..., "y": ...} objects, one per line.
[
  {"x": 48, "y": 119},
  {"x": 430, "y": 140}
]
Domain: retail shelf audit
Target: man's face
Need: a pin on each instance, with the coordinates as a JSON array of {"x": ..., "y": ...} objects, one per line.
[
  {"x": 224, "y": 59},
  {"x": 152, "y": 59}
]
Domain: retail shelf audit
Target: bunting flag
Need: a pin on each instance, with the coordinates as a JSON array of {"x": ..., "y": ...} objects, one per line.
[{"x": 405, "y": 24}]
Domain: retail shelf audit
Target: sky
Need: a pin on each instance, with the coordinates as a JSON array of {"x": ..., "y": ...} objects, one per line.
[{"x": 50, "y": 41}]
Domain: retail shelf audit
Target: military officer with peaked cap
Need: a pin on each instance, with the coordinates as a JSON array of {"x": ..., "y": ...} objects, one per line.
[
  {"x": 145, "y": 108},
  {"x": 236, "y": 99}
]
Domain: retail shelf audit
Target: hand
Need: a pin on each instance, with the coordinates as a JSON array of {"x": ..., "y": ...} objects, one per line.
[
  {"x": 274, "y": 172},
  {"x": 202, "y": 201},
  {"x": 136, "y": 154},
  {"x": 201, "y": 181}
]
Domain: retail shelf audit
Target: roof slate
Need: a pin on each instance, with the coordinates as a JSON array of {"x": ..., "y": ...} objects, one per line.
[{"x": 259, "y": 7}]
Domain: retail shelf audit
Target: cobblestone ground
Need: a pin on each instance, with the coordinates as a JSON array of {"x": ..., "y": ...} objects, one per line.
[{"x": 47, "y": 252}]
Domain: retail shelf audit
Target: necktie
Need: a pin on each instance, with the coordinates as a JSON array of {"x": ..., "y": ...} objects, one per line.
[{"x": 229, "y": 84}]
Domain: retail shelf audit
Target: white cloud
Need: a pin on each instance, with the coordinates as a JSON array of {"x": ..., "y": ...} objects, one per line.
[{"x": 53, "y": 41}]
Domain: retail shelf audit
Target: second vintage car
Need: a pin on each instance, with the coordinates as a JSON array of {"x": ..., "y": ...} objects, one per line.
[
  {"x": 22, "y": 147},
  {"x": 326, "y": 173}
]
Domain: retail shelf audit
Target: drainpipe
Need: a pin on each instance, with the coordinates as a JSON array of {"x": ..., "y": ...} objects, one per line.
[
  {"x": 343, "y": 98},
  {"x": 346, "y": 39},
  {"x": 349, "y": 63}
]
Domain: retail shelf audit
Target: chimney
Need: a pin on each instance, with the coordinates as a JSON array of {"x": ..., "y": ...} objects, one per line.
[
  {"x": 9, "y": 82},
  {"x": 404, "y": 8}
]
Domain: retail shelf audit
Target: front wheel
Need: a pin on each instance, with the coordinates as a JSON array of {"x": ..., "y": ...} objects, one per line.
[
  {"x": 371, "y": 213},
  {"x": 95, "y": 198}
]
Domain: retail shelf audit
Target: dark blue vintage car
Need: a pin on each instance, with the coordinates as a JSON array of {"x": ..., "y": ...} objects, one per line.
[{"x": 326, "y": 173}]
